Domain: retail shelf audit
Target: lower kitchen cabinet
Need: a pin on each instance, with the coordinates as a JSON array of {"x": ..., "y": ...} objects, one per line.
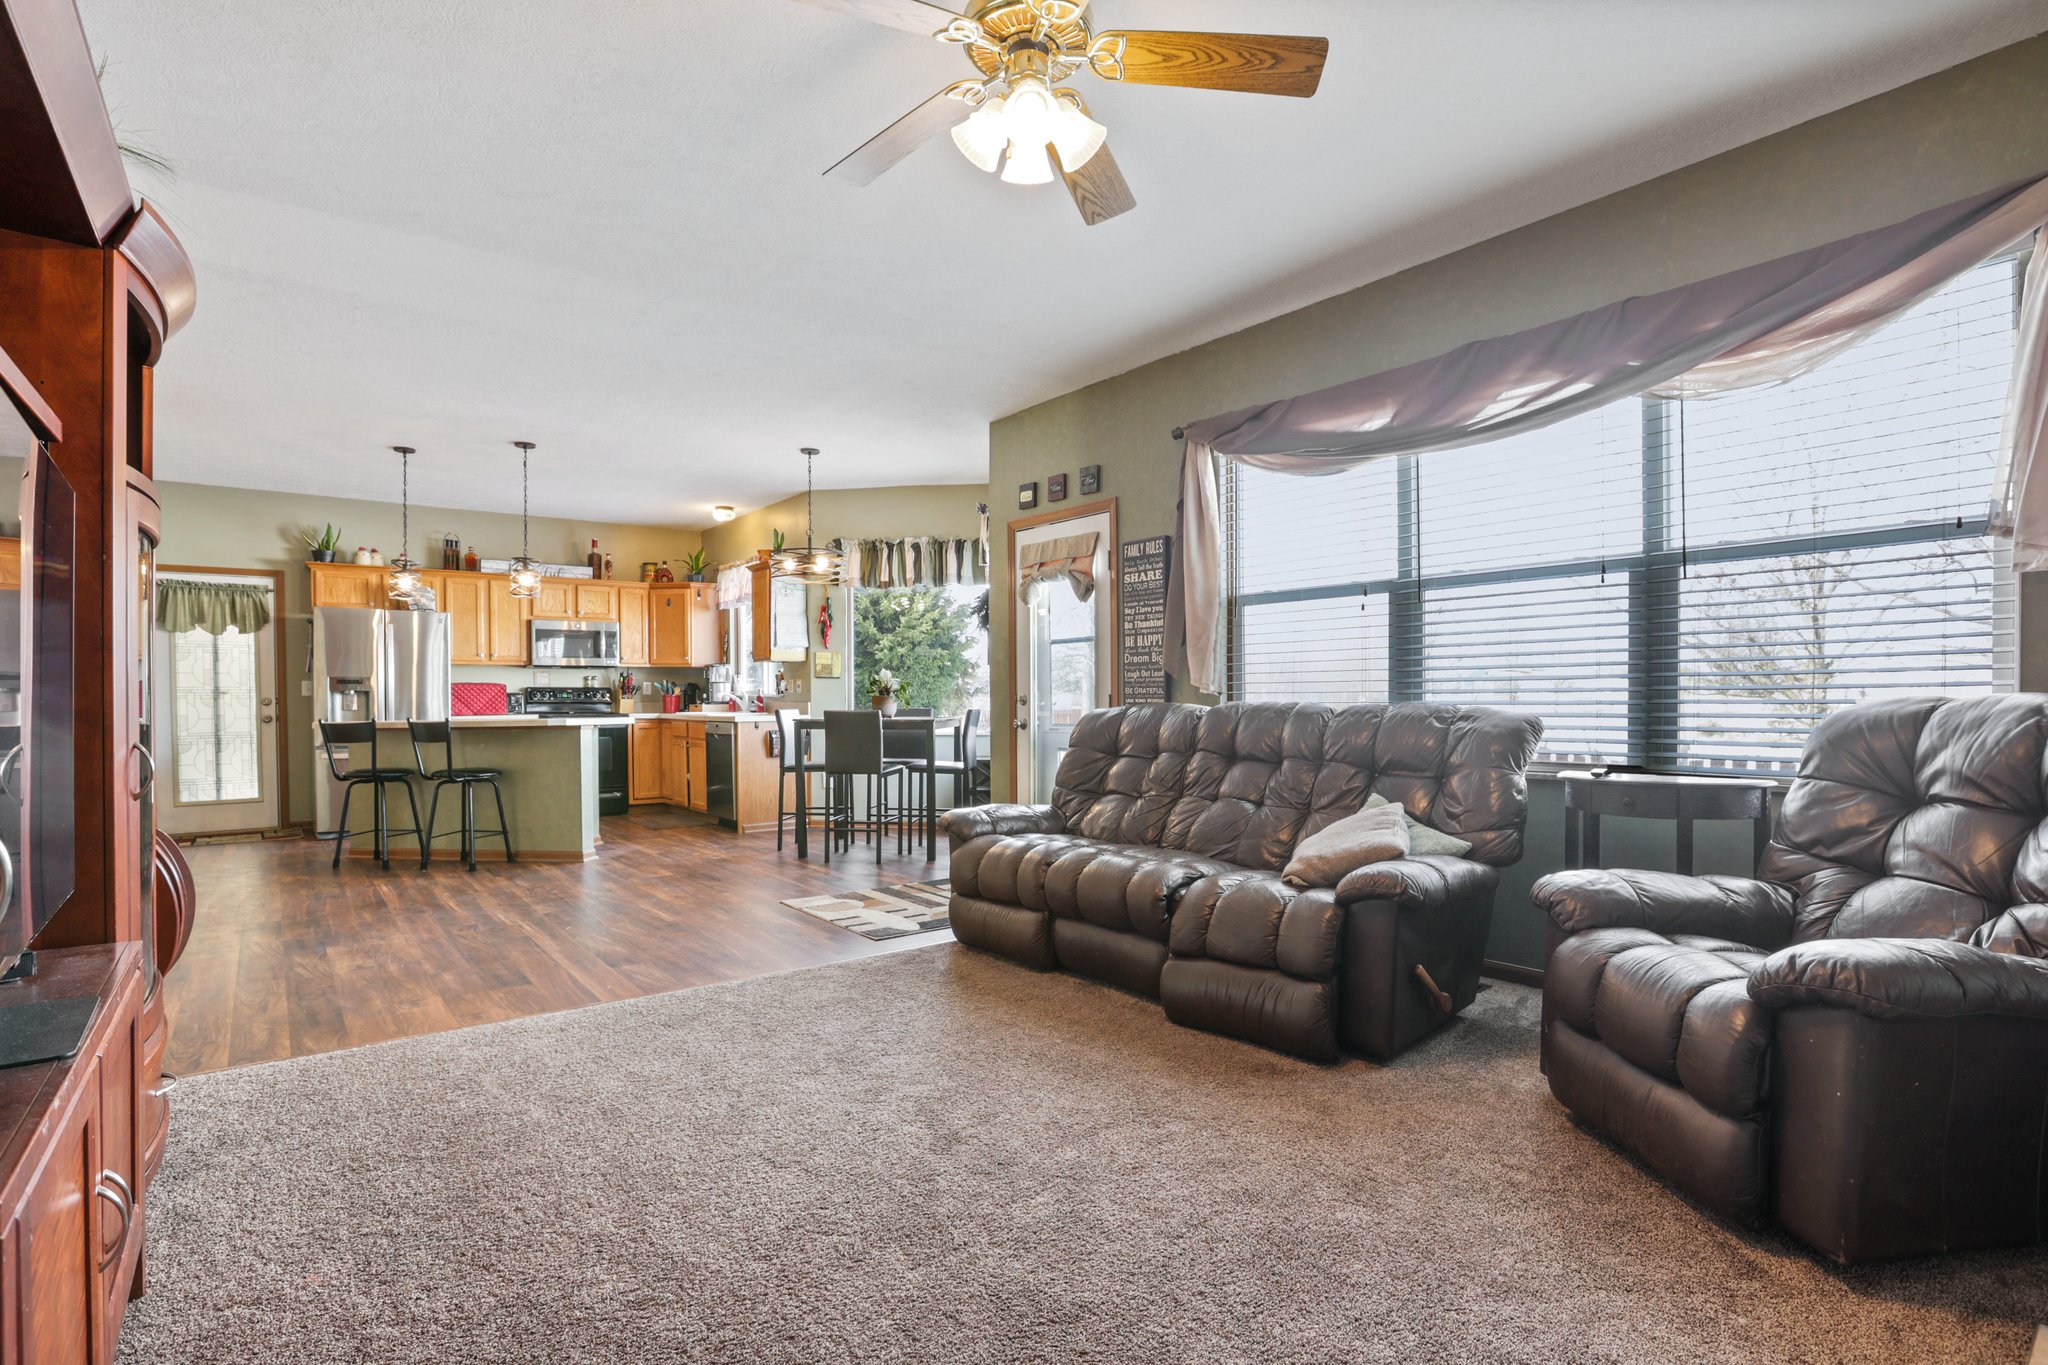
[
  {"x": 676, "y": 759},
  {"x": 646, "y": 784}
]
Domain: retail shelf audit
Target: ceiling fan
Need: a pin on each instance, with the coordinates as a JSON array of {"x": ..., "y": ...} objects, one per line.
[{"x": 1018, "y": 117}]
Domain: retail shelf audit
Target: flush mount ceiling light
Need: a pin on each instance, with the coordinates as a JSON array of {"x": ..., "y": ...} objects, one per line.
[
  {"x": 809, "y": 562},
  {"x": 525, "y": 570},
  {"x": 405, "y": 582},
  {"x": 723, "y": 513},
  {"x": 1017, "y": 120}
]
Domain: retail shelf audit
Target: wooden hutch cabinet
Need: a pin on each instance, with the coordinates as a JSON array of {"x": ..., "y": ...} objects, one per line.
[{"x": 92, "y": 286}]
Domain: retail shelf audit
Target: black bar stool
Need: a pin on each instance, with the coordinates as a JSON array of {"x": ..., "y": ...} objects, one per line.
[
  {"x": 968, "y": 769},
  {"x": 788, "y": 737},
  {"x": 365, "y": 732},
  {"x": 431, "y": 732}
]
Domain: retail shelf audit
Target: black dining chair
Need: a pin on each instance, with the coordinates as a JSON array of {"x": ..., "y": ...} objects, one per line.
[
  {"x": 788, "y": 737},
  {"x": 909, "y": 749},
  {"x": 854, "y": 749},
  {"x": 430, "y": 733},
  {"x": 967, "y": 768},
  {"x": 342, "y": 734}
]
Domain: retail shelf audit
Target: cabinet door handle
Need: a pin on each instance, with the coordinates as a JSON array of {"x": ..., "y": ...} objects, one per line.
[
  {"x": 148, "y": 772},
  {"x": 166, "y": 1082},
  {"x": 115, "y": 1191},
  {"x": 7, "y": 766}
]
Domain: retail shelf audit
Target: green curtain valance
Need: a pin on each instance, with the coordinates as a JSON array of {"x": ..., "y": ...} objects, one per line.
[
  {"x": 184, "y": 604},
  {"x": 916, "y": 562}
]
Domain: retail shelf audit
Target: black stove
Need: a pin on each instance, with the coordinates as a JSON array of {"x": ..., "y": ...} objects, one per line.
[{"x": 568, "y": 701}]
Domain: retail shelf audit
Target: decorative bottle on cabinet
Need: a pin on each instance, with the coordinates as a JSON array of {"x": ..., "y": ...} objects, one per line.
[
  {"x": 470, "y": 563},
  {"x": 596, "y": 562}
]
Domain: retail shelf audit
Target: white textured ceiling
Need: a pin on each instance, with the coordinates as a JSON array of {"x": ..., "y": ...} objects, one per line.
[{"x": 601, "y": 225}]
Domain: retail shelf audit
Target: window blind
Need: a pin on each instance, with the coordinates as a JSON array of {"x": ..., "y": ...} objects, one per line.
[{"x": 1685, "y": 585}]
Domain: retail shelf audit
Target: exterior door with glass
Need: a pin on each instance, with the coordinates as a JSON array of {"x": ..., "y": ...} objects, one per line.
[
  {"x": 219, "y": 712},
  {"x": 1065, "y": 645}
]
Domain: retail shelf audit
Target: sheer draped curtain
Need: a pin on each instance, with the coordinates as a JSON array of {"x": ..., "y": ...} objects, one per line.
[{"x": 1762, "y": 325}]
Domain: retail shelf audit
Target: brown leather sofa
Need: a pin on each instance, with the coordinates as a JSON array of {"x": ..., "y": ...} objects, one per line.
[
  {"x": 1157, "y": 866},
  {"x": 1855, "y": 1043}
]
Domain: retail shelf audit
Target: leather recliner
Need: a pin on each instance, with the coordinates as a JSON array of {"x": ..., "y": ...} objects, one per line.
[
  {"x": 1854, "y": 1044},
  {"x": 1157, "y": 866}
]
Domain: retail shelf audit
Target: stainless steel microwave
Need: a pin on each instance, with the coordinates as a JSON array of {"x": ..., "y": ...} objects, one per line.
[{"x": 576, "y": 644}]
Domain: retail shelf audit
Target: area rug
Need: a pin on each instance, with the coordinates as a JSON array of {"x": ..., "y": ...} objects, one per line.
[
  {"x": 885, "y": 912},
  {"x": 935, "y": 1156}
]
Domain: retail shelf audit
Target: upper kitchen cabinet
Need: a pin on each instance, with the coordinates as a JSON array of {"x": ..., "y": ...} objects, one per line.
[
  {"x": 597, "y": 601},
  {"x": 510, "y": 640},
  {"x": 782, "y": 616},
  {"x": 557, "y": 600},
  {"x": 467, "y": 600},
  {"x": 683, "y": 625},
  {"x": 350, "y": 585},
  {"x": 634, "y": 645}
]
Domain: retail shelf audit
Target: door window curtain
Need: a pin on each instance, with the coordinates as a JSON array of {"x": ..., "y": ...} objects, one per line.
[
  {"x": 1764, "y": 324},
  {"x": 184, "y": 604},
  {"x": 1069, "y": 557}
]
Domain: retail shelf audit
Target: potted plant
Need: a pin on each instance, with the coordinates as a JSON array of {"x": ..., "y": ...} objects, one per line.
[
  {"x": 321, "y": 544},
  {"x": 780, "y": 541},
  {"x": 694, "y": 564},
  {"x": 882, "y": 688}
]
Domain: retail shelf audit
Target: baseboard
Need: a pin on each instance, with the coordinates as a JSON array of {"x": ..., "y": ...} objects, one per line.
[{"x": 1508, "y": 971}]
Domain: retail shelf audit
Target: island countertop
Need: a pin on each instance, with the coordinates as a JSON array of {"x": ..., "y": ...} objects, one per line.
[
  {"x": 705, "y": 717},
  {"x": 520, "y": 722}
]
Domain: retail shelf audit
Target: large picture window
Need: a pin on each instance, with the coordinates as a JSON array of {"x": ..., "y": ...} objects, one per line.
[{"x": 1678, "y": 584}]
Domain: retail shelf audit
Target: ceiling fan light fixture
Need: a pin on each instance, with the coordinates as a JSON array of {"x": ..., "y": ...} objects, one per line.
[
  {"x": 1076, "y": 136},
  {"x": 982, "y": 138},
  {"x": 1028, "y": 165}
]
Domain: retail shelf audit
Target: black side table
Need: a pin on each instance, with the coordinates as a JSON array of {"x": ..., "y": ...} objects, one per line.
[{"x": 1661, "y": 796}]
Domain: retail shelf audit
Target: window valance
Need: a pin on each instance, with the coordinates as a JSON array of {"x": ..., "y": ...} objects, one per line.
[
  {"x": 1069, "y": 557},
  {"x": 916, "y": 562},
  {"x": 184, "y": 604},
  {"x": 1764, "y": 324}
]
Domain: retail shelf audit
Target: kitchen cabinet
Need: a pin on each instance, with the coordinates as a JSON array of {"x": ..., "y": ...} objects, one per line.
[
  {"x": 510, "y": 641},
  {"x": 697, "y": 774},
  {"x": 467, "y": 600},
  {"x": 633, "y": 641},
  {"x": 557, "y": 600},
  {"x": 597, "y": 601},
  {"x": 351, "y": 585},
  {"x": 10, "y": 562},
  {"x": 782, "y": 621},
  {"x": 683, "y": 625},
  {"x": 675, "y": 764},
  {"x": 646, "y": 786}
]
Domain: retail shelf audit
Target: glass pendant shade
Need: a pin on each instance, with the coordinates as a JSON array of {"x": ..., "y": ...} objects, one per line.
[
  {"x": 1028, "y": 165},
  {"x": 525, "y": 576},
  {"x": 982, "y": 138},
  {"x": 1077, "y": 136}
]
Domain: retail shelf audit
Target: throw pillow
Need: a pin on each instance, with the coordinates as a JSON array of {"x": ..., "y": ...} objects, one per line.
[
  {"x": 1370, "y": 836},
  {"x": 1423, "y": 838}
]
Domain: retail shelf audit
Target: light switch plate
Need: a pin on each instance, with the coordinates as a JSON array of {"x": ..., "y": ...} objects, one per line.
[{"x": 306, "y": 688}]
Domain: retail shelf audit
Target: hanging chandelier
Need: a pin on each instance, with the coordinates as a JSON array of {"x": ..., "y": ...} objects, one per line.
[
  {"x": 809, "y": 562},
  {"x": 405, "y": 582},
  {"x": 525, "y": 570}
]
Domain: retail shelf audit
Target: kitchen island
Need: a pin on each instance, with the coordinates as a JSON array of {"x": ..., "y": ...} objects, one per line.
[{"x": 550, "y": 786}]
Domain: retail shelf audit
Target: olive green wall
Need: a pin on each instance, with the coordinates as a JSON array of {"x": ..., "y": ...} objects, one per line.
[{"x": 1969, "y": 129}]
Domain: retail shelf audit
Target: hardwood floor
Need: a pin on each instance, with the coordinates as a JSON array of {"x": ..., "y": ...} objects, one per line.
[{"x": 290, "y": 958}]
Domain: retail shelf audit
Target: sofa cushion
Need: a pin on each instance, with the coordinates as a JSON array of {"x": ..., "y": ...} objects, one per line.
[
  {"x": 1374, "y": 835},
  {"x": 1254, "y": 919},
  {"x": 1676, "y": 1008},
  {"x": 1132, "y": 888}
]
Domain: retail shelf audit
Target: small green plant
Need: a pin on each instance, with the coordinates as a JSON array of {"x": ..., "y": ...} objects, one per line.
[
  {"x": 694, "y": 563},
  {"x": 327, "y": 540},
  {"x": 780, "y": 541}
]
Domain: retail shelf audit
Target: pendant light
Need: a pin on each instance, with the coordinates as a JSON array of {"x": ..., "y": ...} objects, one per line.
[
  {"x": 405, "y": 582},
  {"x": 525, "y": 570},
  {"x": 809, "y": 562}
]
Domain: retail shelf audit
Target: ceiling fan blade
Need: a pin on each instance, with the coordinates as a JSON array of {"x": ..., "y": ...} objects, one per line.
[
  {"x": 1099, "y": 188},
  {"x": 912, "y": 16},
  {"x": 1257, "y": 63},
  {"x": 936, "y": 115}
]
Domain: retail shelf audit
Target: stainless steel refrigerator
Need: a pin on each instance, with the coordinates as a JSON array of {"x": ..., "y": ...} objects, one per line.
[{"x": 375, "y": 665}]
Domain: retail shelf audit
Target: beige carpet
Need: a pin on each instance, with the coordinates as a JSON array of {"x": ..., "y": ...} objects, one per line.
[{"x": 935, "y": 1156}]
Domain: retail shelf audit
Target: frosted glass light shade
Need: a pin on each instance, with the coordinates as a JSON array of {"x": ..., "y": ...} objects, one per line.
[
  {"x": 981, "y": 138},
  {"x": 1028, "y": 165},
  {"x": 1077, "y": 136}
]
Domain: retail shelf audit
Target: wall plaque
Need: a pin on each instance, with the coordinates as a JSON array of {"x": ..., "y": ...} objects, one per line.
[{"x": 1142, "y": 566}]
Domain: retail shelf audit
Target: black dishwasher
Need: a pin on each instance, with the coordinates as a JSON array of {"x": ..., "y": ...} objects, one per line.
[
  {"x": 614, "y": 750},
  {"x": 720, "y": 758}
]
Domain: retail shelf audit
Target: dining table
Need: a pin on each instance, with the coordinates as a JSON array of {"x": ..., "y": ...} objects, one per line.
[{"x": 928, "y": 726}]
